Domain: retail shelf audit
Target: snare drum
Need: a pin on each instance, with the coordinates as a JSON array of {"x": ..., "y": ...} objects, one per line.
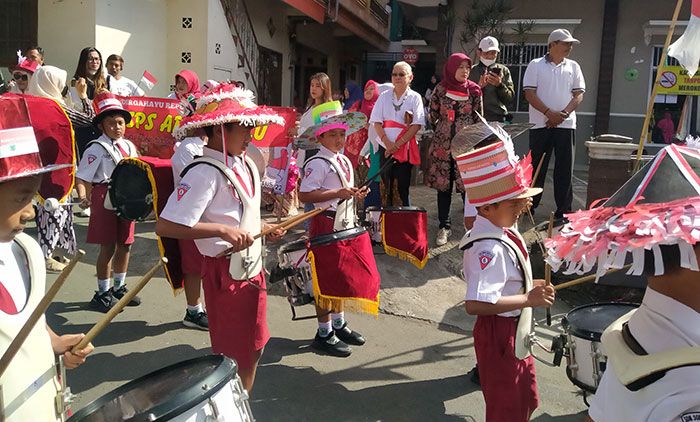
[
  {"x": 291, "y": 258},
  {"x": 137, "y": 183},
  {"x": 204, "y": 388},
  {"x": 402, "y": 230},
  {"x": 373, "y": 219},
  {"x": 584, "y": 325}
]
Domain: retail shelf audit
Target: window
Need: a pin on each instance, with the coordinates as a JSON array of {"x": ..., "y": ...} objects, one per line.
[
  {"x": 679, "y": 109},
  {"x": 517, "y": 57}
]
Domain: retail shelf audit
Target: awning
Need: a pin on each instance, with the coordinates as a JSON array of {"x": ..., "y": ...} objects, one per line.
[{"x": 310, "y": 8}]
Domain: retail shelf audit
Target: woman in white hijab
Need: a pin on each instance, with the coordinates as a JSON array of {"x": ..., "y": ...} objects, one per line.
[{"x": 55, "y": 227}]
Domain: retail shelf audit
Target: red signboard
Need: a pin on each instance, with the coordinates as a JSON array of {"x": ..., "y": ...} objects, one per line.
[
  {"x": 152, "y": 123},
  {"x": 410, "y": 55}
]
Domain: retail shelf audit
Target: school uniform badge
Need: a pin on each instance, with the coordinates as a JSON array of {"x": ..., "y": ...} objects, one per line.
[
  {"x": 485, "y": 258},
  {"x": 182, "y": 189},
  {"x": 91, "y": 158}
]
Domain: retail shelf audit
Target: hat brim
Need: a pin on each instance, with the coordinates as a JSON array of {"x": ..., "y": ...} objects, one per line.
[
  {"x": 125, "y": 114},
  {"x": 466, "y": 139},
  {"x": 493, "y": 48},
  {"x": 36, "y": 172},
  {"x": 353, "y": 120},
  {"x": 259, "y": 116},
  {"x": 529, "y": 193},
  {"x": 570, "y": 39}
]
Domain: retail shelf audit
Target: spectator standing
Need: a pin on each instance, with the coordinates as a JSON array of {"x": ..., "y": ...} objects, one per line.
[
  {"x": 35, "y": 53},
  {"x": 554, "y": 87},
  {"x": 22, "y": 74},
  {"x": 494, "y": 80},
  {"x": 90, "y": 70},
  {"x": 453, "y": 105},
  {"x": 118, "y": 84},
  {"x": 667, "y": 128}
]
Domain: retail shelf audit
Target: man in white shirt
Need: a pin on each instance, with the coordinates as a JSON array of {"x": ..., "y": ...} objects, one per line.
[
  {"x": 118, "y": 84},
  {"x": 554, "y": 87}
]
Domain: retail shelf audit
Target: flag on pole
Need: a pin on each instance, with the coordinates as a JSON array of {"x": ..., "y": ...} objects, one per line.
[
  {"x": 148, "y": 80},
  {"x": 686, "y": 49}
]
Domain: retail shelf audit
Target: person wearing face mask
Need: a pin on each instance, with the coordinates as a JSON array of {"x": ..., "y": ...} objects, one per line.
[{"x": 494, "y": 79}]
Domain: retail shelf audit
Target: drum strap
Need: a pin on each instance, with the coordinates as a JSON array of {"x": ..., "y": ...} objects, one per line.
[
  {"x": 633, "y": 365},
  {"x": 345, "y": 210},
  {"x": 116, "y": 155}
]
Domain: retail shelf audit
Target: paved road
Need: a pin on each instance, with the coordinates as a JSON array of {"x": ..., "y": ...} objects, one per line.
[{"x": 412, "y": 368}]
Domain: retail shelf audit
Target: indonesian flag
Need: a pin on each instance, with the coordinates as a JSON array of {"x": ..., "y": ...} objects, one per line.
[
  {"x": 148, "y": 80},
  {"x": 686, "y": 49}
]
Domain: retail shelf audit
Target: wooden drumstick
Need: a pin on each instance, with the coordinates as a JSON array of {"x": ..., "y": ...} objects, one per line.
[
  {"x": 587, "y": 278},
  {"x": 548, "y": 269},
  {"x": 101, "y": 325},
  {"x": 537, "y": 170},
  {"x": 38, "y": 312}
]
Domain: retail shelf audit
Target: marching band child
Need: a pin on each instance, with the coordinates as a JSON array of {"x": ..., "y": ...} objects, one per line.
[
  {"x": 328, "y": 178},
  {"x": 22, "y": 285},
  {"x": 217, "y": 203},
  {"x": 499, "y": 281},
  {"x": 114, "y": 234}
]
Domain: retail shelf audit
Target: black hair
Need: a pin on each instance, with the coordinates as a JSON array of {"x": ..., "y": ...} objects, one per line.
[
  {"x": 209, "y": 131},
  {"x": 37, "y": 48},
  {"x": 670, "y": 255}
]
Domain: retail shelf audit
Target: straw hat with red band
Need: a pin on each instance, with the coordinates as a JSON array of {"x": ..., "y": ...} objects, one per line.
[
  {"x": 106, "y": 103},
  {"x": 19, "y": 151},
  {"x": 492, "y": 174},
  {"x": 27, "y": 65},
  {"x": 227, "y": 103},
  {"x": 329, "y": 116},
  {"x": 659, "y": 205}
]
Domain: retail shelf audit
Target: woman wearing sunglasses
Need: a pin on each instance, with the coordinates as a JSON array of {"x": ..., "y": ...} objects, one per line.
[
  {"x": 21, "y": 75},
  {"x": 397, "y": 116}
]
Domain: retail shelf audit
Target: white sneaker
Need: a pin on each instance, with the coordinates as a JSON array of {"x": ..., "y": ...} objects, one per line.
[{"x": 442, "y": 236}]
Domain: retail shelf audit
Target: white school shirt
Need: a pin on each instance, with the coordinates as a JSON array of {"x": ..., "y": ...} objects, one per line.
[
  {"x": 97, "y": 165},
  {"x": 491, "y": 268},
  {"x": 319, "y": 174},
  {"x": 554, "y": 84},
  {"x": 661, "y": 323},
  {"x": 124, "y": 87},
  {"x": 384, "y": 110},
  {"x": 13, "y": 276},
  {"x": 206, "y": 195},
  {"x": 184, "y": 154},
  {"x": 469, "y": 209}
]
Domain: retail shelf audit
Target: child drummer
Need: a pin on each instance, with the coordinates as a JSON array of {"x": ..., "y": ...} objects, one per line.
[
  {"x": 500, "y": 288},
  {"x": 114, "y": 234},
  {"x": 217, "y": 203},
  {"x": 653, "y": 365},
  {"x": 329, "y": 181},
  {"x": 22, "y": 283}
]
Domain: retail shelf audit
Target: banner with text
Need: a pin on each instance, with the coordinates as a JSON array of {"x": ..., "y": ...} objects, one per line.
[
  {"x": 152, "y": 123},
  {"x": 676, "y": 81}
]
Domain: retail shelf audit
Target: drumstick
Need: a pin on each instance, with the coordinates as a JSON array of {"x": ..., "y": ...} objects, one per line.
[
  {"x": 548, "y": 268},
  {"x": 102, "y": 324},
  {"x": 390, "y": 162},
  {"x": 587, "y": 278},
  {"x": 537, "y": 170},
  {"x": 38, "y": 312},
  {"x": 285, "y": 225}
]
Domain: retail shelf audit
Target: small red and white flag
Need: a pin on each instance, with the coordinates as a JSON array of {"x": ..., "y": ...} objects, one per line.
[
  {"x": 148, "y": 80},
  {"x": 686, "y": 49}
]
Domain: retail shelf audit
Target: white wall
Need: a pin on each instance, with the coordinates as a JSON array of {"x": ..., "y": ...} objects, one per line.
[
  {"x": 64, "y": 28},
  {"x": 225, "y": 64},
  {"x": 136, "y": 30},
  {"x": 181, "y": 39}
]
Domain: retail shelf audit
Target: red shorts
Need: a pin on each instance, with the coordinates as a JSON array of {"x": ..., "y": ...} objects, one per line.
[
  {"x": 191, "y": 260},
  {"x": 321, "y": 224},
  {"x": 508, "y": 383},
  {"x": 105, "y": 226},
  {"x": 236, "y": 312}
]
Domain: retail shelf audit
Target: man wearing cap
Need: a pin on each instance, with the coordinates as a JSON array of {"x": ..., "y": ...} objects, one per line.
[
  {"x": 494, "y": 80},
  {"x": 554, "y": 87}
]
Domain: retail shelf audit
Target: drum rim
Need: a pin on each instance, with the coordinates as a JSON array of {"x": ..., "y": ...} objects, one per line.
[
  {"x": 586, "y": 334},
  {"x": 397, "y": 209},
  {"x": 347, "y": 234},
  {"x": 112, "y": 196},
  {"x": 283, "y": 248},
  {"x": 178, "y": 403}
]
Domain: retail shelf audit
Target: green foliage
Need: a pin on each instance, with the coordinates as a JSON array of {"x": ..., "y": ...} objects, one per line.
[{"x": 485, "y": 17}]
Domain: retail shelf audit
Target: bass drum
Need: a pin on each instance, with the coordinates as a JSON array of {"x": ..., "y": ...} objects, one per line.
[
  {"x": 204, "y": 388},
  {"x": 140, "y": 186}
]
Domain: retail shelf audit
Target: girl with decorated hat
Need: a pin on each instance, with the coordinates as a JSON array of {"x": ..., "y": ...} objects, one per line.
[
  {"x": 217, "y": 203},
  {"x": 500, "y": 288},
  {"x": 22, "y": 284}
]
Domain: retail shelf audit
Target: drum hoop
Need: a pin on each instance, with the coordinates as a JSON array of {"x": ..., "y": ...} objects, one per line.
[
  {"x": 287, "y": 247},
  {"x": 404, "y": 209},
  {"x": 177, "y": 404},
  {"x": 140, "y": 164},
  {"x": 337, "y": 236},
  {"x": 587, "y": 334}
]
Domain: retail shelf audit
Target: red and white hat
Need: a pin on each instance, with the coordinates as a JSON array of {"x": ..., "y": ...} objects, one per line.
[
  {"x": 106, "y": 102},
  {"x": 27, "y": 65},
  {"x": 492, "y": 174},
  {"x": 226, "y": 103},
  {"x": 19, "y": 151}
]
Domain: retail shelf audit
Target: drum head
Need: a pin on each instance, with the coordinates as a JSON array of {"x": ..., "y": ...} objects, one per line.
[
  {"x": 163, "y": 394},
  {"x": 589, "y": 321},
  {"x": 336, "y": 236},
  {"x": 404, "y": 209},
  {"x": 130, "y": 192}
]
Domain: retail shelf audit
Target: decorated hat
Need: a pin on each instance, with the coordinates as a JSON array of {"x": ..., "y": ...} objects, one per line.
[
  {"x": 227, "y": 103},
  {"x": 472, "y": 136},
  {"x": 492, "y": 174},
  {"x": 19, "y": 151},
  {"x": 329, "y": 116},
  {"x": 27, "y": 65},
  {"x": 659, "y": 205},
  {"x": 106, "y": 103}
]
